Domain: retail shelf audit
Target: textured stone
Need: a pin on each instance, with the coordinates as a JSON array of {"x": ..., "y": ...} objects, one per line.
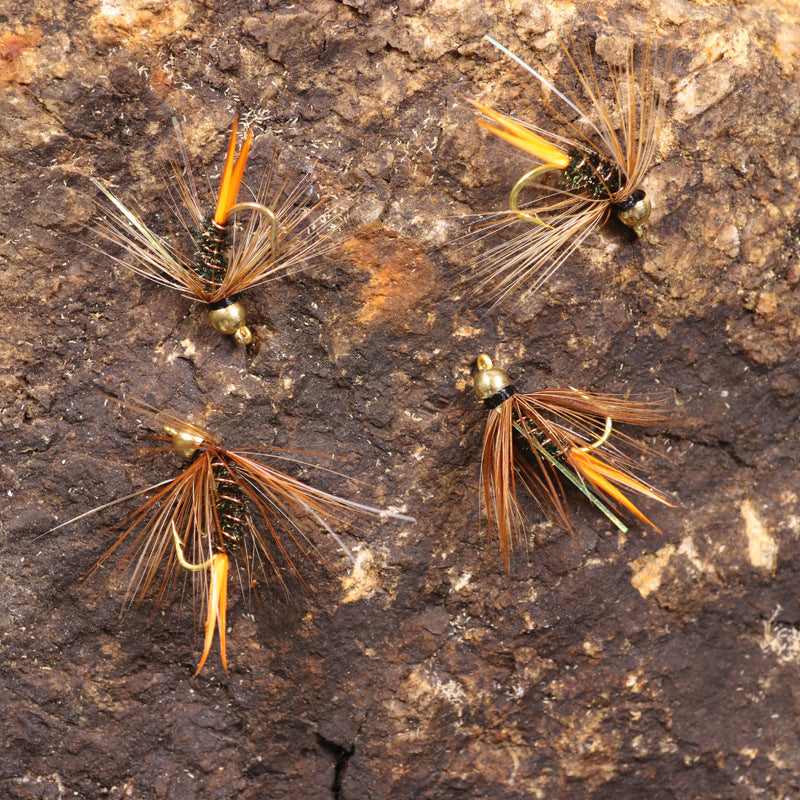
[{"x": 659, "y": 665}]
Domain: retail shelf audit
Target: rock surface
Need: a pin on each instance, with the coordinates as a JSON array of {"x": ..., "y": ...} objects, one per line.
[{"x": 606, "y": 665}]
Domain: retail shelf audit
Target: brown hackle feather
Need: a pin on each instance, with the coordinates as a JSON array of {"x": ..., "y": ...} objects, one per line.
[
  {"x": 309, "y": 225},
  {"x": 566, "y": 420}
]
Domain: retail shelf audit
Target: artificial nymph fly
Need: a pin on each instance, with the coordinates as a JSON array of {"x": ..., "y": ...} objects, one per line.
[
  {"x": 599, "y": 159},
  {"x": 220, "y": 259},
  {"x": 227, "y": 511},
  {"x": 544, "y": 437}
]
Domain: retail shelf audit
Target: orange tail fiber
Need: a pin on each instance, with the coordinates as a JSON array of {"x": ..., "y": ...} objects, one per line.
[
  {"x": 217, "y": 605},
  {"x": 521, "y": 137},
  {"x": 603, "y": 476},
  {"x": 232, "y": 174}
]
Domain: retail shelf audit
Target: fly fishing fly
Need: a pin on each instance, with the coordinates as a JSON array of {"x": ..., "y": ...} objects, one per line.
[
  {"x": 227, "y": 510},
  {"x": 599, "y": 160},
  {"x": 544, "y": 437},
  {"x": 218, "y": 260}
]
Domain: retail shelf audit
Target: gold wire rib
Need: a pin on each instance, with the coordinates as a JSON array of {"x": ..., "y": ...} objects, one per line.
[
  {"x": 513, "y": 200},
  {"x": 268, "y": 213},
  {"x": 601, "y": 441},
  {"x": 181, "y": 559}
]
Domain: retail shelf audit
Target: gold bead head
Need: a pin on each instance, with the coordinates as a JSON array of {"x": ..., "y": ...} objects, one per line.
[
  {"x": 185, "y": 441},
  {"x": 635, "y": 216},
  {"x": 231, "y": 320},
  {"x": 488, "y": 380}
]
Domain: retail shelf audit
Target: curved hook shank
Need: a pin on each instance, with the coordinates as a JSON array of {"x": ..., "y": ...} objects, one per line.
[
  {"x": 268, "y": 213},
  {"x": 182, "y": 559},
  {"x": 513, "y": 200},
  {"x": 602, "y": 440}
]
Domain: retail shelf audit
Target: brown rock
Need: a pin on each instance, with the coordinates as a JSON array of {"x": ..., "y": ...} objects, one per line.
[{"x": 605, "y": 665}]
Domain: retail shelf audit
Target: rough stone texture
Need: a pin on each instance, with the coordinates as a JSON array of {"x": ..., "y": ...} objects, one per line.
[{"x": 605, "y": 666}]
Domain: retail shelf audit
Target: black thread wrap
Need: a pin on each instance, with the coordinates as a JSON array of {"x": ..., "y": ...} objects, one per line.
[
  {"x": 498, "y": 398},
  {"x": 627, "y": 204},
  {"x": 224, "y": 303}
]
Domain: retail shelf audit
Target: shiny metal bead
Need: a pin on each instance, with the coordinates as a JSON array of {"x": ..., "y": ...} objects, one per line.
[{"x": 488, "y": 379}]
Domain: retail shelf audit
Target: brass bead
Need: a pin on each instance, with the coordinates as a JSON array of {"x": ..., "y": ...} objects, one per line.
[
  {"x": 637, "y": 214},
  {"x": 488, "y": 379},
  {"x": 229, "y": 320},
  {"x": 184, "y": 441}
]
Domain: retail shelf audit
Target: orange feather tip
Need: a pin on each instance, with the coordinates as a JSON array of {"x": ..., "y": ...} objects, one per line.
[
  {"x": 606, "y": 479},
  {"x": 216, "y": 602},
  {"x": 232, "y": 174},
  {"x": 521, "y": 137}
]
